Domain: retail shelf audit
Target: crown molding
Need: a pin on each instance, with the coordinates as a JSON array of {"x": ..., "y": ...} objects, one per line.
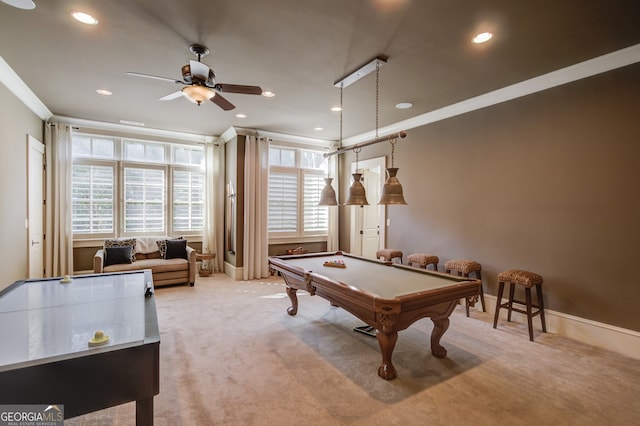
[
  {"x": 147, "y": 131},
  {"x": 14, "y": 83}
]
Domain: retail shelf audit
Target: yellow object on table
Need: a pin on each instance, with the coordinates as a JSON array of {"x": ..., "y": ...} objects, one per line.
[{"x": 99, "y": 338}]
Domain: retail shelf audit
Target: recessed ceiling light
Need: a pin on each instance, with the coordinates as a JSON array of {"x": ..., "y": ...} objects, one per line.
[
  {"x": 21, "y": 4},
  {"x": 404, "y": 105},
  {"x": 85, "y": 18},
  {"x": 482, "y": 37},
  {"x": 241, "y": 115},
  {"x": 268, "y": 94},
  {"x": 318, "y": 128},
  {"x": 104, "y": 92},
  {"x": 336, "y": 109}
]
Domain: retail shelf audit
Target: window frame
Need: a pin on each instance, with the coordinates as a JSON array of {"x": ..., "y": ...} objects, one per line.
[
  {"x": 113, "y": 164},
  {"x": 118, "y": 165},
  {"x": 300, "y": 235}
]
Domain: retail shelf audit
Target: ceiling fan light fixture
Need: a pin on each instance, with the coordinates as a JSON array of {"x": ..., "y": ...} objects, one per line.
[
  {"x": 197, "y": 93},
  {"x": 21, "y": 4}
]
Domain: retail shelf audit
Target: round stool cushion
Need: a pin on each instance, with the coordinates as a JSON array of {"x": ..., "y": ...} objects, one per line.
[
  {"x": 423, "y": 259},
  {"x": 462, "y": 265},
  {"x": 518, "y": 276},
  {"x": 389, "y": 254}
]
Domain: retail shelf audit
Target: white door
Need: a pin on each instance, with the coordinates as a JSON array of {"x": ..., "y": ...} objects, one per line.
[
  {"x": 371, "y": 214},
  {"x": 367, "y": 230},
  {"x": 35, "y": 208}
]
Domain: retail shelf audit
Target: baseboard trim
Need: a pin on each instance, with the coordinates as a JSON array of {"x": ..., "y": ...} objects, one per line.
[
  {"x": 232, "y": 271},
  {"x": 617, "y": 339}
]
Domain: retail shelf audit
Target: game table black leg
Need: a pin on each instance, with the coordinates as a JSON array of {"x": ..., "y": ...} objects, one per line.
[{"x": 144, "y": 412}]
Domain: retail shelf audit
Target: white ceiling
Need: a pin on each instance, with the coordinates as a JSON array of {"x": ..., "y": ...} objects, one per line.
[{"x": 298, "y": 49}]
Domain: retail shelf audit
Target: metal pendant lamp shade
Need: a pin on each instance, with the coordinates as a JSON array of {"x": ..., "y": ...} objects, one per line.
[
  {"x": 328, "y": 194},
  {"x": 356, "y": 195},
  {"x": 392, "y": 189}
]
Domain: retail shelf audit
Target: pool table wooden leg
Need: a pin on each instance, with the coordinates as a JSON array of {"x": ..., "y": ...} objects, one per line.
[
  {"x": 387, "y": 342},
  {"x": 293, "y": 309},
  {"x": 440, "y": 325}
]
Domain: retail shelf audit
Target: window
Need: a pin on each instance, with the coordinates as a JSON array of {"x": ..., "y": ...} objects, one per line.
[
  {"x": 93, "y": 199},
  {"x": 133, "y": 187},
  {"x": 295, "y": 183},
  {"x": 144, "y": 200},
  {"x": 188, "y": 200}
]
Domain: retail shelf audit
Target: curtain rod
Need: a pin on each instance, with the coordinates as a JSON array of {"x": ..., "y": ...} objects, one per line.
[{"x": 401, "y": 134}]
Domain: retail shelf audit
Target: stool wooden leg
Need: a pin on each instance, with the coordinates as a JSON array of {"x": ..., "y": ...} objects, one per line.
[
  {"x": 527, "y": 295},
  {"x": 512, "y": 288},
  {"x": 481, "y": 293},
  {"x": 467, "y": 301},
  {"x": 541, "y": 308},
  {"x": 498, "y": 304}
]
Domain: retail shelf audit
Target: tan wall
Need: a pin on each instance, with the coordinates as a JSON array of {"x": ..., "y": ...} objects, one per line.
[
  {"x": 548, "y": 183},
  {"x": 16, "y": 121}
]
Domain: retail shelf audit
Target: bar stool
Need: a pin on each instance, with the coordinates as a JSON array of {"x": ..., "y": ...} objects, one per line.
[
  {"x": 423, "y": 260},
  {"x": 527, "y": 280},
  {"x": 465, "y": 267},
  {"x": 389, "y": 254}
]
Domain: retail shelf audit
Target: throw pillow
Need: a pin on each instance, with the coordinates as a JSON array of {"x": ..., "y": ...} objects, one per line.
[
  {"x": 116, "y": 255},
  {"x": 129, "y": 242},
  {"x": 176, "y": 249},
  {"x": 162, "y": 246}
]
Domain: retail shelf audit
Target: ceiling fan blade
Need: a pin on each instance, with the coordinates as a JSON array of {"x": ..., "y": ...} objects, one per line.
[
  {"x": 172, "y": 96},
  {"x": 238, "y": 88},
  {"x": 199, "y": 70},
  {"x": 222, "y": 102},
  {"x": 173, "y": 80}
]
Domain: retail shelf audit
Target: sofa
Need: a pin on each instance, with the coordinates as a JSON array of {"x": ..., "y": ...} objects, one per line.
[{"x": 171, "y": 260}]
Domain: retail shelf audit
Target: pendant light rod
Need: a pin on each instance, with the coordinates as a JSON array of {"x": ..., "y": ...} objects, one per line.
[{"x": 401, "y": 134}]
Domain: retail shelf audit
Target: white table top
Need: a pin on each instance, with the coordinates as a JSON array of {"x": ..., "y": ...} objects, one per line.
[{"x": 44, "y": 320}]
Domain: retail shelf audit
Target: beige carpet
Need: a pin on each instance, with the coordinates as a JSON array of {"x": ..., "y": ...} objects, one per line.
[{"x": 230, "y": 355}]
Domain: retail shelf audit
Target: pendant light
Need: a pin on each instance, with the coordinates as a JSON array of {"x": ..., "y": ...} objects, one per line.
[
  {"x": 328, "y": 194},
  {"x": 392, "y": 190},
  {"x": 356, "y": 195}
]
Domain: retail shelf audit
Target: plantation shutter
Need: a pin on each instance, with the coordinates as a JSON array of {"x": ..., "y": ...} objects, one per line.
[
  {"x": 144, "y": 200},
  {"x": 316, "y": 218},
  {"x": 283, "y": 202}
]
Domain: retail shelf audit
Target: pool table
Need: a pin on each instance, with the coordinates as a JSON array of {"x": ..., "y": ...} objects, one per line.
[
  {"x": 388, "y": 297},
  {"x": 49, "y": 356}
]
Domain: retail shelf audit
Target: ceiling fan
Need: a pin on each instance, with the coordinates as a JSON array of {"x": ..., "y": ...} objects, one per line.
[{"x": 200, "y": 84}]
